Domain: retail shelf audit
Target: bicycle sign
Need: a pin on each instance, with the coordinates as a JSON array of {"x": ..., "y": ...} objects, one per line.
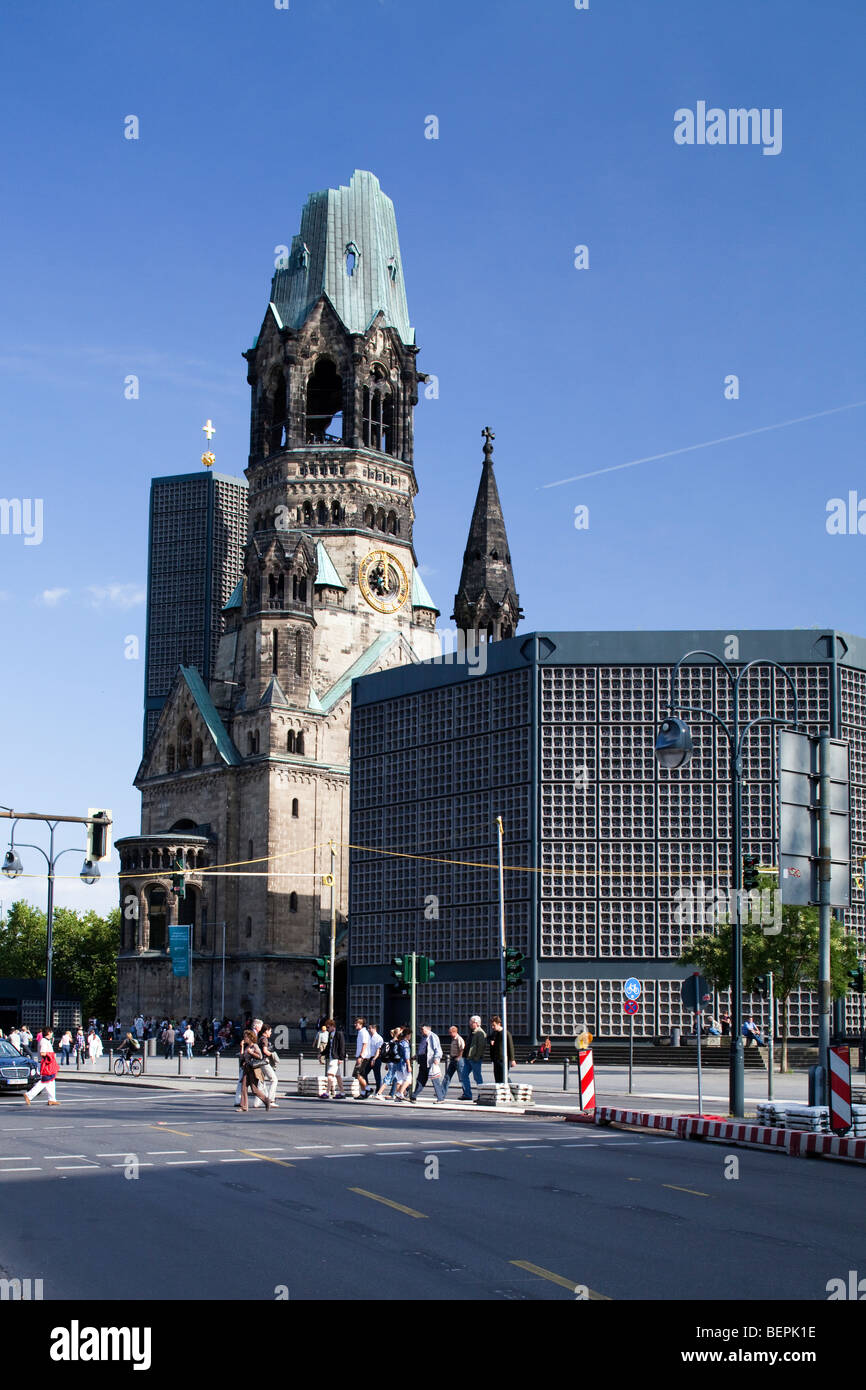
[{"x": 631, "y": 989}]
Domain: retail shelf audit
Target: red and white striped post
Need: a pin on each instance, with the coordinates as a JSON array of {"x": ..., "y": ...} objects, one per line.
[
  {"x": 840, "y": 1089},
  {"x": 587, "y": 1080}
]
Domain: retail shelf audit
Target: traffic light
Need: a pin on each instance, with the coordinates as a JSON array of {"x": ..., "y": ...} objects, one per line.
[
  {"x": 750, "y": 871},
  {"x": 178, "y": 881},
  {"x": 322, "y": 972},
  {"x": 426, "y": 970},
  {"x": 98, "y": 836},
  {"x": 401, "y": 969},
  {"x": 855, "y": 980},
  {"x": 513, "y": 968},
  {"x": 762, "y": 986}
]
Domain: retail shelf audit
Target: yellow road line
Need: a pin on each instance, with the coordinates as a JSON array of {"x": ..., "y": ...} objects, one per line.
[
  {"x": 558, "y": 1279},
  {"x": 692, "y": 1190},
  {"x": 362, "y": 1192},
  {"x": 164, "y": 1129},
  {"x": 267, "y": 1159}
]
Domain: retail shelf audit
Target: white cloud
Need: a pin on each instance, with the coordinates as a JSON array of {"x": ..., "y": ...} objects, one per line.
[
  {"x": 116, "y": 595},
  {"x": 51, "y": 597}
]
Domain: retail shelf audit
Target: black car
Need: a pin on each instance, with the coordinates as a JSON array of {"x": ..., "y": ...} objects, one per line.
[{"x": 17, "y": 1071}]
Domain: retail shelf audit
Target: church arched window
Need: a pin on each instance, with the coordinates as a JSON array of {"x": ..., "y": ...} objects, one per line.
[
  {"x": 381, "y": 523},
  {"x": 324, "y": 403},
  {"x": 184, "y": 744},
  {"x": 299, "y": 655},
  {"x": 276, "y": 415},
  {"x": 335, "y": 514},
  {"x": 275, "y": 654},
  {"x": 290, "y": 741},
  {"x": 322, "y": 514},
  {"x": 369, "y": 517},
  {"x": 293, "y": 902},
  {"x": 299, "y": 744},
  {"x": 352, "y": 258},
  {"x": 392, "y": 523},
  {"x": 197, "y": 753},
  {"x": 308, "y": 514},
  {"x": 295, "y": 808},
  {"x": 249, "y": 926}
]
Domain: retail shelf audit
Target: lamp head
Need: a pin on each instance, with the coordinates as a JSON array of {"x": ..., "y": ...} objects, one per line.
[
  {"x": 89, "y": 872},
  {"x": 673, "y": 744},
  {"x": 12, "y": 866}
]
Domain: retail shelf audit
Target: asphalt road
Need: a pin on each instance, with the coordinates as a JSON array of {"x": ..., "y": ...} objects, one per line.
[{"x": 316, "y": 1197}]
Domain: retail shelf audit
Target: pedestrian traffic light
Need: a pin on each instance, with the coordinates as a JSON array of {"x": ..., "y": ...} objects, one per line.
[
  {"x": 178, "y": 881},
  {"x": 426, "y": 970},
  {"x": 762, "y": 986},
  {"x": 322, "y": 972},
  {"x": 513, "y": 968},
  {"x": 855, "y": 980},
  {"x": 401, "y": 969},
  {"x": 750, "y": 871}
]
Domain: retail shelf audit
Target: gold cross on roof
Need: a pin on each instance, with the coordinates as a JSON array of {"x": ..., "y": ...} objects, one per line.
[{"x": 209, "y": 430}]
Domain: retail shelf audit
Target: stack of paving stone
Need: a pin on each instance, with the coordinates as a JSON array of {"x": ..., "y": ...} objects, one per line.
[
  {"x": 813, "y": 1119},
  {"x": 858, "y": 1121},
  {"x": 498, "y": 1093},
  {"x": 318, "y": 1086}
]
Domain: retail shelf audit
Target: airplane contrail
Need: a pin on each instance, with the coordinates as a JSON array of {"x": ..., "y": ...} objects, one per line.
[{"x": 708, "y": 443}]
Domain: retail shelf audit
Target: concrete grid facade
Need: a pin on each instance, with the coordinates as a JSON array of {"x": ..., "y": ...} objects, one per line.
[
  {"x": 197, "y": 532},
  {"x": 558, "y": 738}
]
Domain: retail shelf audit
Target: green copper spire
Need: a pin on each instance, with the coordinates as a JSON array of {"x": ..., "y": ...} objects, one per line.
[{"x": 347, "y": 249}]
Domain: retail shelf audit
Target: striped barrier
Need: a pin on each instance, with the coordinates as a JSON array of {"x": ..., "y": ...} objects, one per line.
[
  {"x": 840, "y": 1089},
  {"x": 587, "y": 1080},
  {"x": 795, "y": 1142}
]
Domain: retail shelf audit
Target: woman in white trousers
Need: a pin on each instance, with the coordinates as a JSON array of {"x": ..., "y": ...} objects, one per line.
[{"x": 47, "y": 1070}]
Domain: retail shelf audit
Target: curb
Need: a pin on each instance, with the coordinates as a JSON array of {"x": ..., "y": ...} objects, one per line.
[{"x": 797, "y": 1143}]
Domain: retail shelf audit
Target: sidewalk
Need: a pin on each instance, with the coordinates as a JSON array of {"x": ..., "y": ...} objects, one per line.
[{"x": 668, "y": 1088}]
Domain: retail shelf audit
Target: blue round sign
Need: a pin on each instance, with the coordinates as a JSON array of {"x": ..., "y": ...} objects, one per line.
[{"x": 631, "y": 988}]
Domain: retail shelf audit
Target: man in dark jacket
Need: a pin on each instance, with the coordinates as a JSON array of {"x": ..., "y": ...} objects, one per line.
[
  {"x": 496, "y": 1048},
  {"x": 473, "y": 1056},
  {"x": 335, "y": 1056}
]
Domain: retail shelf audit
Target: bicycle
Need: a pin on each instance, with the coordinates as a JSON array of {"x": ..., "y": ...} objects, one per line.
[{"x": 127, "y": 1066}]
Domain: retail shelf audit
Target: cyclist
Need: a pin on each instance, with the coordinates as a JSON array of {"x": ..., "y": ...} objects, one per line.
[{"x": 128, "y": 1048}]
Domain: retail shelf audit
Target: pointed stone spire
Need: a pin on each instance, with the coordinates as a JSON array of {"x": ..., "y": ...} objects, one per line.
[{"x": 487, "y": 599}]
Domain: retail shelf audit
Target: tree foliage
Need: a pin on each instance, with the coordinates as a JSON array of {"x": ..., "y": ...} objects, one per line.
[{"x": 84, "y": 956}]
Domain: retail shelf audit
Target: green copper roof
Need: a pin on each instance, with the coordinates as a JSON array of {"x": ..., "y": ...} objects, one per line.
[
  {"x": 274, "y": 694},
  {"x": 420, "y": 596},
  {"x": 326, "y": 574},
  {"x": 237, "y": 597},
  {"x": 358, "y": 668},
  {"x": 356, "y": 221},
  {"x": 216, "y": 728}
]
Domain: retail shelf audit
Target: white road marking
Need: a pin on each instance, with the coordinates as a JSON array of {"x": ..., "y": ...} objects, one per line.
[
  {"x": 76, "y": 1167},
  {"x": 238, "y": 1160},
  {"x": 313, "y": 1146},
  {"x": 138, "y": 1164},
  {"x": 22, "y": 1170},
  {"x": 124, "y": 1153},
  {"x": 177, "y": 1162},
  {"x": 218, "y": 1151},
  {"x": 155, "y": 1153},
  {"x": 358, "y": 1155},
  {"x": 64, "y": 1155},
  {"x": 15, "y": 1158}
]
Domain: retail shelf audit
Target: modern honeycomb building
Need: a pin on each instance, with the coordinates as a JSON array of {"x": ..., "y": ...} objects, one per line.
[
  {"x": 557, "y": 736},
  {"x": 197, "y": 533}
]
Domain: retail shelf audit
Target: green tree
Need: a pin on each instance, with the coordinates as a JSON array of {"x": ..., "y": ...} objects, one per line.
[
  {"x": 85, "y": 952},
  {"x": 792, "y": 956}
]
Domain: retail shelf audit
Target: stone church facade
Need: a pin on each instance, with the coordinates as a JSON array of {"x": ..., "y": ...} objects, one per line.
[{"x": 247, "y": 778}]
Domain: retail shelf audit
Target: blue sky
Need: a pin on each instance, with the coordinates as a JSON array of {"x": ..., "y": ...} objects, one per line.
[{"x": 153, "y": 257}]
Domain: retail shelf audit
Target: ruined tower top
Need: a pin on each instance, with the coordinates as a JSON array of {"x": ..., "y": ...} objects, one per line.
[{"x": 347, "y": 249}]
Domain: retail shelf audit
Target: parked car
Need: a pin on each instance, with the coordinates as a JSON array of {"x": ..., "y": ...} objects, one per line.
[{"x": 17, "y": 1070}]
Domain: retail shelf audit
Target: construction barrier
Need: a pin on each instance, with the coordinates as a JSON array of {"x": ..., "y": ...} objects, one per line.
[
  {"x": 587, "y": 1080},
  {"x": 797, "y": 1143},
  {"x": 840, "y": 1089}
]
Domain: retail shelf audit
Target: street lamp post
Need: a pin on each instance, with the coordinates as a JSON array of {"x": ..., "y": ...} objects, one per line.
[
  {"x": 673, "y": 750},
  {"x": 13, "y": 868}
]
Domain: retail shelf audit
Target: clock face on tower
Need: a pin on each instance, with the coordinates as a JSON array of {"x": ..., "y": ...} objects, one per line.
[{"x": 383, "y": 581}]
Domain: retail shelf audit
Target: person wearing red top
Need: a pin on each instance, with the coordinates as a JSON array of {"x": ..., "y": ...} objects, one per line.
[{"x": 47, "y": 1069}]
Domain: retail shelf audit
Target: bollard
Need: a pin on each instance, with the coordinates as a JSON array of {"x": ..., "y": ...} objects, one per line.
[
  {"x": 216, "y": 1063},
  {"x": 110, "y": 1058},
  {"x": 77, "y": 1059},
  {"x": 565, "y": 1075},
  {"x": 179, "y": 1062},
  {"x": 300, "y": 1064},
  {"x": 143, "y": 1060}
]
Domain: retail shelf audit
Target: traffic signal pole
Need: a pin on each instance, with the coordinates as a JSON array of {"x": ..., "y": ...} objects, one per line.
[
  {"x": 333, "y": 934},
  {"x": 504, "y": 990},
  {"x": 413, "y": 1073},
  {"x": 824, "y": 909},
  {"x": 770, "y": 1038}
]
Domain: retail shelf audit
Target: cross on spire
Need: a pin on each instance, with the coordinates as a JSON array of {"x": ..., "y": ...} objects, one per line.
[
  {"x": 489, "y": 436},
  {"x": 209, "y": 429}
]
